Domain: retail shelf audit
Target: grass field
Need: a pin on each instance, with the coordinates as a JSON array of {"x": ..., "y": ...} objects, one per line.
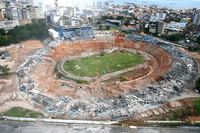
[
  {"x": 21, "y": 112},
  {"x": 102, "y": 64}
]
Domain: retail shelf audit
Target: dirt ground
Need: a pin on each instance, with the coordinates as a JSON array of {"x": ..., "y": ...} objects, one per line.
[
  {"x": 19, "y": 52},
  {"x": 159, "y": 63},
  {"x": 9, "y": 93}
]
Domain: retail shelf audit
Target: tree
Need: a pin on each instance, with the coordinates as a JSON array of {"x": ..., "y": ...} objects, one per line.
[
  {"x": 107, "y": 27},
  {"x": 127, "y": 23},
  {"x": 2, "y": 32},
  {"x": 4, "y": 70},
  {"x": 198, "y": 40},
  {"x": 174, "y": 37},
  {"x": 6, "y": 40},
  {"x": 120, "y": 17},
  {"x": 37, "y": 30},
  {"x": 107, "y": 17},
  {"x": 197, "y": 106},
  {"x": 197, "y": 86}
]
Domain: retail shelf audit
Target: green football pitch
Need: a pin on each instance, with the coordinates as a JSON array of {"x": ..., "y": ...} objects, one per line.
[{"x": 96, "y": 65}]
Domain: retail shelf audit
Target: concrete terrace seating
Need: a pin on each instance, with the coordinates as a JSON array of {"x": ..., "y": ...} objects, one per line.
[
  {"x": 79, "y": 33},
  {"x": 181, "y": 76}
]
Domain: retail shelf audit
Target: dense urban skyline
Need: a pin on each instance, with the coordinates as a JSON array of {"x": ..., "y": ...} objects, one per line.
[{"x": 176, "y": 4}]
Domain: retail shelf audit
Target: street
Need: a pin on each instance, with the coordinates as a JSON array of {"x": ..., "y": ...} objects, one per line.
[{"x": 38, "y": 127}]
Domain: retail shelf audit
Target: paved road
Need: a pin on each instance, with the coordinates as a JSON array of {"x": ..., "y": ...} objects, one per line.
[{"x": 19, "y": 127}]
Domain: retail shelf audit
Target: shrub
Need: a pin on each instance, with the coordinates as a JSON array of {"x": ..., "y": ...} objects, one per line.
[
  {"x": 82, "y": 82},
  {"x": 197, "y": 106},
  {"x": 4, "y": 70},
  {"x": 174, "y": 37}
]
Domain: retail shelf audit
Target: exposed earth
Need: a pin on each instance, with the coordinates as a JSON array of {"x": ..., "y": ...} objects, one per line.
[
  {"x": 124, "y": 78},
  {"x": 141, "y": 76}
]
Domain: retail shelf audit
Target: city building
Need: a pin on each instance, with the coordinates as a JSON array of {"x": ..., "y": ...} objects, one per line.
[
  {"x": 158, "y": 17},
  {"x": 37, "y": 12},
  {"x": 176, "y": 26},
  {"x": 196, "y": 19},
  {"x": 54, "y": 18},
  {"x": 153, "y": 27},
  {"x": 70, "y": 12},
  {"x": 9, "y": 24},
  {"x": 1, "y": 15},
  {"x": 73, "y": 22},
  {"x": 12, "y": 13},
  {"x": 26, "y": 14},
  {"x": 54, "y": 34},
  {"x": 157, "y": 27},
  {"x": 2, "y": 5},
  {"x": 161, "y": 27}
]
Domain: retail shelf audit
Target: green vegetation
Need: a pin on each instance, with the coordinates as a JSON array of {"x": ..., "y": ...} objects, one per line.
[
  {"x": 102, "y": 64},
  {"x": 21, "y": 112},
  {"x": 2, "y": 32},
  {"x": 197, "y": 86},
  {"x": 126, "y": 31},
  {"x": 196, "y": 48},
  {"x": 198, "y": 40},
  {"x": 37, "y": 30},
  {"x": 112, "y": 17},
  {"x": 106, "y": 28},
  {"x": 197, "y": 106},
  {"x": 146, "y": 30},
  {"x": 82, "y": 82},
  {"x": 4, "y": 71},
  {"x": 114, "y": 28},
  {"x": 174, "y": 37},
  {"x": 179, "y": 114},
  {"x": 123, "y": 78}
]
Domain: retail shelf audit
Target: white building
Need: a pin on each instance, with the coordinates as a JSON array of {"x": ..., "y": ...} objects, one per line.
[
  {"x": 37, "y": 12},
  {"x": 179, "y": 26},
  {"x": 9, "y": 24},
  {"x": 54, "y": 34},
  {"x": 73, "y": 22},
  {"x": 158, "y": 17},
  {"x": 2, "y": 5},
  {"x": 70, "y": 12}
]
